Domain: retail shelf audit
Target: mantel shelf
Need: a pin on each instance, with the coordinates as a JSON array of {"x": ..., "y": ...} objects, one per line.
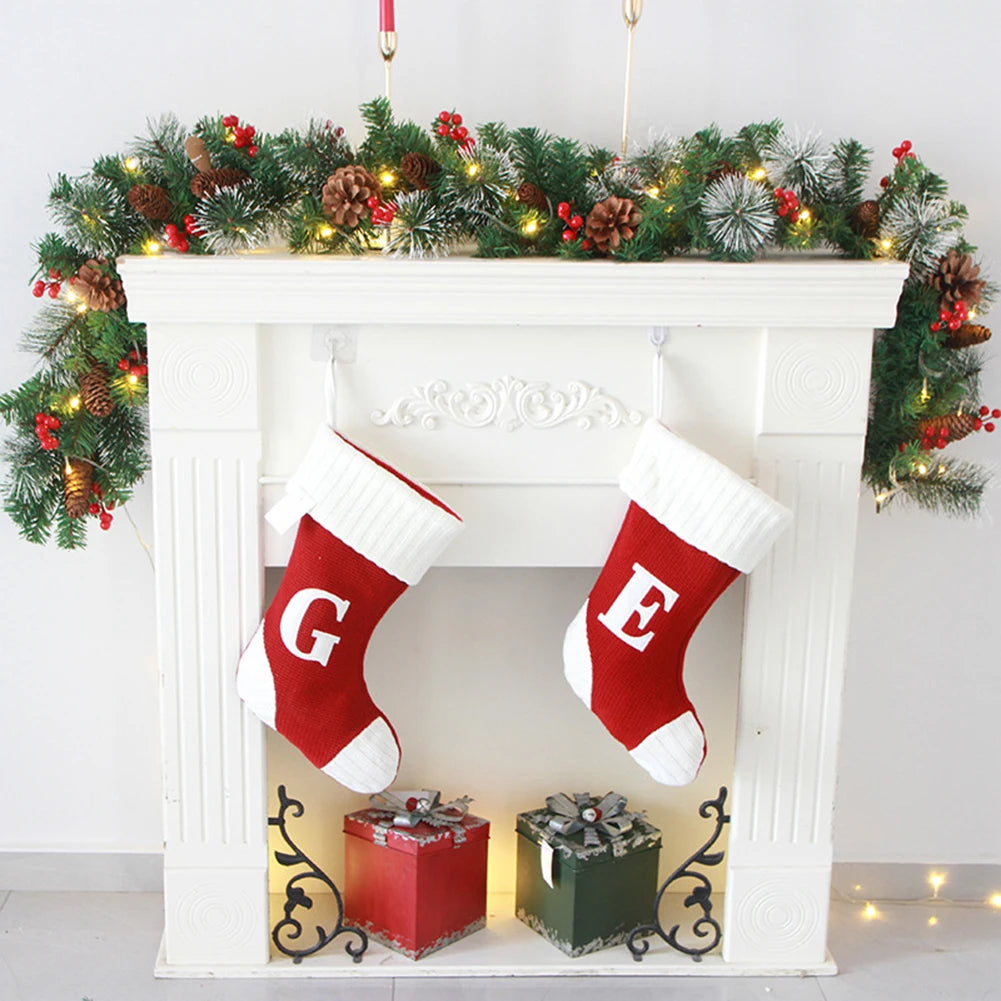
[{"x": 815, "y": 291}]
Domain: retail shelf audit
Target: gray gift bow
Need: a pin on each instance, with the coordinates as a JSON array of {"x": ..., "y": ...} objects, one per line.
[
  {"x": 608, "y": 816},
  {"x": 428, "y": 808}
]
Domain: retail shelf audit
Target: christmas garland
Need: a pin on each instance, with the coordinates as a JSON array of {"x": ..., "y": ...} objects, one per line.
[{"x": 79, "y": 433}]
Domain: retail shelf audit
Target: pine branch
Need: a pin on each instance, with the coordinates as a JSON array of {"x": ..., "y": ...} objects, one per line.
[
  {"x": 235, "y": 218},
  {"x": 853, "y": 161},
  {"x": 421, "y": 228},
  {"x": 93, "y": 214}
]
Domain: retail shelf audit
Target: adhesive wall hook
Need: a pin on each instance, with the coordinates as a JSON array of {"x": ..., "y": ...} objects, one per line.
[{"x": 333, "y": 344}]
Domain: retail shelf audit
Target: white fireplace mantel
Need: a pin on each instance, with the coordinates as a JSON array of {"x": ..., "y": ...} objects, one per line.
[{"x": 514, "y": 388}]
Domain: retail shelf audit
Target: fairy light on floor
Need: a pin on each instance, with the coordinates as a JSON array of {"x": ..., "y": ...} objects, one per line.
[
  {"x": 869, "y": 912},
  {"x": 932, "y": 921},
  {"x": 995, "y": 901},
  {"x": 937, "y": 881}
]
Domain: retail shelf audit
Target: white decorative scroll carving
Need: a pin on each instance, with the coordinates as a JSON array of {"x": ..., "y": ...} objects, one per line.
[
  {"x": 510, "y": 403},
  {"x": 817, "y": 382}
]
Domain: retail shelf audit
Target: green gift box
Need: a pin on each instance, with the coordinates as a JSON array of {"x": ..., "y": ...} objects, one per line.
[{"x": 587, "y": 871}]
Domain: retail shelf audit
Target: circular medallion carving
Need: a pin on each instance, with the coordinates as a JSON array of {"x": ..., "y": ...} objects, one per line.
[
  {"x": 204, "y": 380},
  {"x": 777, "y": 917},
  {"x": 217, "y": 914},
  {"x": 816, "y": 383}
]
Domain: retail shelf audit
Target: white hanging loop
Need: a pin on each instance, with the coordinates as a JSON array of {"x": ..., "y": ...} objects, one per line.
[
  {"x": 658, "y": 336},
  {"x": 330, "y": 388},
  {"x": 335, "y": 344}
]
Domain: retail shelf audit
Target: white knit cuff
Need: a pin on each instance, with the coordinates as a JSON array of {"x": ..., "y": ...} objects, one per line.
[
  {"x": 700, "y": 500},
  {"x": 392, "y": 521}
]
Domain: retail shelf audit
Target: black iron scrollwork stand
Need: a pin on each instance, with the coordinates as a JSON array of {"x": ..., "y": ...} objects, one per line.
[
  {"x": 706, "y": 924},
  {"x": 295, "y": 895}
]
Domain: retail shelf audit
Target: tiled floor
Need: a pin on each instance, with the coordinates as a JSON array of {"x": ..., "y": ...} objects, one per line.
[{"x": 70, "y": 946}]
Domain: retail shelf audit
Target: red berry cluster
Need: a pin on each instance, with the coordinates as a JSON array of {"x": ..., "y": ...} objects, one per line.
[
  {"x": 573, "y": 223},
  {"x": 38, "y": 289},
  {"x": 940, "y": 440},
  {"x": 383, "y": 213},
  {"x": 986, "y": 412},
  {"x": 788, "y": 204},
  {"x": 134, "y": 364},
  {"x": 450, "y": 125},
  {"x": 902, "y": 153},
  {"x": 100, "y": 508},
  {"x": 191, "y": 227},
  {"x": 45, "y": 424},
  {"x": 175, "y": 238},
  {"x": 243, "y": 135},
  {"x": 953, "y": 319}
]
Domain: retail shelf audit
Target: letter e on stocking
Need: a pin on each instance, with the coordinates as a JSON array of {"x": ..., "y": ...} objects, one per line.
[
  {"x": 291, "y": 622},
  {"x": 631, "y": 600}
]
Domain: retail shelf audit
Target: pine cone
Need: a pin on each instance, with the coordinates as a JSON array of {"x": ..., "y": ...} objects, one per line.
[
  {"x": 968, "y": 335},
  {"x": 151, "y": 201},
  {"x": 955, "y": 426},
  {"x": 94, "y": 391},
  {"x": 612, "y": 222},
  {"x": 96, "y": 287},
  {"x": 76, "y": 486},
  {"x": 722, "y": 169},
  {"x": 345, "y": 194},
  {"x": 864, "y": 219},
  {"x": 533, "y": 196},
  {"x": 416, "y": 168},
  {"x": 208, "y": 182},
  {"x": 957, "y": 280}
]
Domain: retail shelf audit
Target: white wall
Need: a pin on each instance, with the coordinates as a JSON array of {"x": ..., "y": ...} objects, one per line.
[{"x": 78, "y": 720}]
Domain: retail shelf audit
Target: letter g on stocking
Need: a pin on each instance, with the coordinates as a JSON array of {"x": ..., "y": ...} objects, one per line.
[{"x": 291, "y": 622}]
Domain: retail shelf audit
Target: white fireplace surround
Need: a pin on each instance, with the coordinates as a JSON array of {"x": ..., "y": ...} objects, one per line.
[{"x": 514, "y": 389}]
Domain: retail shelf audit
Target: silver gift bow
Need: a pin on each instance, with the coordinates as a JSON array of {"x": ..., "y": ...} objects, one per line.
[
  {"x": 427, "y": 808},
  {"x": 608, "y": 816}
]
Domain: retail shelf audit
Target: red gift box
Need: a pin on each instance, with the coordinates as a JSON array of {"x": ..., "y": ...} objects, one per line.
[{"x": 415, "y": 889}]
